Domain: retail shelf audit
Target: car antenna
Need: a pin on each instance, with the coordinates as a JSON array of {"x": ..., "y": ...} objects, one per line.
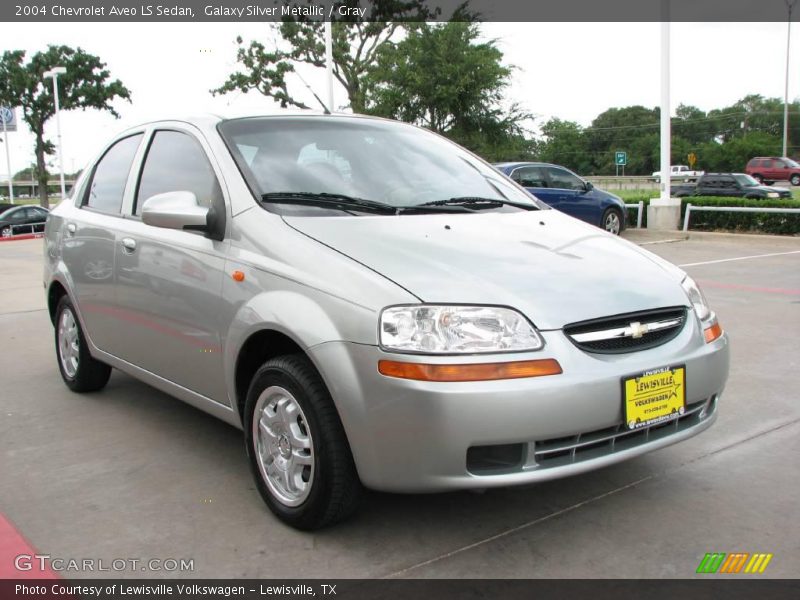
[{"x": 324, "y": 107}]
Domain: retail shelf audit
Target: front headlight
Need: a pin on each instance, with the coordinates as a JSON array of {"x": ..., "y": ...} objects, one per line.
[
  {"x": 447, "y": 329},
  {"x": 697, "y": 298}
]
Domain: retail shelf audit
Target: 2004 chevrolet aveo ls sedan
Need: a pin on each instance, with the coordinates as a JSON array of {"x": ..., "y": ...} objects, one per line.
[{"x": 374, "y": 306}]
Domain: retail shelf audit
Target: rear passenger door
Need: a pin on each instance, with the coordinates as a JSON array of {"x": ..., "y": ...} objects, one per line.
[{"x": 89, "y": 239}]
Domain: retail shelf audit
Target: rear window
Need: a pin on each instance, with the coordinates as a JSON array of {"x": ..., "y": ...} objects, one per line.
[{"x": 110, "y": 176}]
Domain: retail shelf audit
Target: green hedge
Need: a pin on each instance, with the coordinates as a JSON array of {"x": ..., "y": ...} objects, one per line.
[{"x": 772, "y": 223}]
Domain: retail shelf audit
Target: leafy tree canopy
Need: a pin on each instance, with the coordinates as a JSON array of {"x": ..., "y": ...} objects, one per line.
[{"x": 86, "y": 84}]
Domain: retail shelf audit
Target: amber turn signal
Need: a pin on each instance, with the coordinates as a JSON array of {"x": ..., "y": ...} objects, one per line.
[
  {"x": 713, "y": 332},
  {"x": 238, "y": 276},
  {"x": 469, "y": 372}
]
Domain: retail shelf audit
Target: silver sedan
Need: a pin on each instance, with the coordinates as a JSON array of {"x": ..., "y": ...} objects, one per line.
[{"x": 374, "y": 306}]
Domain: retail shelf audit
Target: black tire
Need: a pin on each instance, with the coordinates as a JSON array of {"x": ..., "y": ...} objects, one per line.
[
  {"x": 335, "y": 489},
  {"x": 5, "y": 232},
  {"x": 89, "y": 374},
  {"x": 610, "y": 217},
  {"x": 795, "y": 179},
  {"x": 759, "y": 178}
]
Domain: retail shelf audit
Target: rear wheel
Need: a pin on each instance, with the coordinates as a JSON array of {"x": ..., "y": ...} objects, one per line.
[
  {"x": 298, "y": 451},
  {"x": 758, "y": 177},
  {"x": 612, "y": 221},
  {"x": 79, "y": 370}
]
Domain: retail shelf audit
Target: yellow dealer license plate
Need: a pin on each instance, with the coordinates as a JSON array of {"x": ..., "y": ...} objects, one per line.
[{"x": 654, "y": 396}]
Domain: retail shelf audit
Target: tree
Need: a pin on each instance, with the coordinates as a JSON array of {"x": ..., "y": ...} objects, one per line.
[
  {"x": 440, "y": 77},
  {"x": 86, "y": 84},
  {"x": 355, "y": 47},
  {"x": 564, "y": 142}
]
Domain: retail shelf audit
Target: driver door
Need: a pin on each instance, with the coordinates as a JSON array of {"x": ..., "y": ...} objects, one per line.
[{"x": 169, "y": 282}]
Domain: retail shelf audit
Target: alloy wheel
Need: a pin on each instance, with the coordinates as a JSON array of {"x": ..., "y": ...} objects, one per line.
[
  {"x": 68, "y": 343},
  {"x": 284, "y": 448}
]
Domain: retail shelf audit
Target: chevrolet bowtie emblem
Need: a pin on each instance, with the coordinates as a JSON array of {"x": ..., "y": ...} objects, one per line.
[{"x": 637, "y": 330}]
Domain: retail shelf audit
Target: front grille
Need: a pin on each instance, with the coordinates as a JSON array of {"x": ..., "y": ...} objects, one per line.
[
  {"x": 567, "y": 450},
  {"x": 629, "y": 332}
]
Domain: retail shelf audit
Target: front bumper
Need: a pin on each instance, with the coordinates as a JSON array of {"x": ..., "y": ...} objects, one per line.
[{"x": 414, "y": 436}]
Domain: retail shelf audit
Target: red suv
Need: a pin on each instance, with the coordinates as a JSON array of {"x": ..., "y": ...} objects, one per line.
[{"x": 769, "y": 169}]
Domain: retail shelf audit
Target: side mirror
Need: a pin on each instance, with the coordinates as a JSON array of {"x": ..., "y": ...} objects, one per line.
[
  {"x": 176, "y": 210},
  {"x": 588, "y": 186}
]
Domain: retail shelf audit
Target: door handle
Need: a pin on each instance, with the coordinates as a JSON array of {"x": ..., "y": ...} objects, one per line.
[
  {"x": 71, "y": 229},
  {"x": 128, "y": 245}
]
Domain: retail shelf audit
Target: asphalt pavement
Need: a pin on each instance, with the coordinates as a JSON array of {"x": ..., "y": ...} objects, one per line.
[{"x": 130, "y": 473}]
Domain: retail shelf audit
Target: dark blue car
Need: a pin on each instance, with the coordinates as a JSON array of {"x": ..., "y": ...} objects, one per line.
[{"x": 565, "y": 191}]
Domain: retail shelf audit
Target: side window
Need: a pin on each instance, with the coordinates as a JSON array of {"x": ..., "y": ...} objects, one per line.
[
  {"x": 530, "y": 177},
  {"x": 15, "y": 215},
  {"x": 176, "y": 162},
  {"x": 766, "y": 164},
  {"x": 110, "y": 175},
  {"x": 565, "y": 180}
]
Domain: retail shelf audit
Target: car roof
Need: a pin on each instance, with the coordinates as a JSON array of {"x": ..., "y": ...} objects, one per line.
[
  {"x": 208, "y": 121},
  {"x": 514, "y": 165}
]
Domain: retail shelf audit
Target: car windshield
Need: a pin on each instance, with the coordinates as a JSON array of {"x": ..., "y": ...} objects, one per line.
[
  {"x": 294, "y": 164},
  {"x": 791, "y": 163},
  {"x": 745, "y": 180}
]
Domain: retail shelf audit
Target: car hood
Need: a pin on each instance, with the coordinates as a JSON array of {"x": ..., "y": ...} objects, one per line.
[
  {"x": 767, "y": 189},
  {"x": 554, "y": 269}
]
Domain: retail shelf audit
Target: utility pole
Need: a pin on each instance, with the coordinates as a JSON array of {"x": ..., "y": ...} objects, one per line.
[
  {"x": 53, "y": 74},
  {"x": 789, "y": 7}
]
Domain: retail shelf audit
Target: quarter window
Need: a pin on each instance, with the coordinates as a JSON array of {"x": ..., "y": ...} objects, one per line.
[
  {"x": 110, "y": 176},
  {"x": 176, "y": 162}
]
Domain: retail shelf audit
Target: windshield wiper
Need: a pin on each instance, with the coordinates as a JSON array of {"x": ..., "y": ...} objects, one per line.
[
  {"x": 351, "y": 203},
  {"x": 478, "y": 203},
  {"x": 337, "y": 201}
]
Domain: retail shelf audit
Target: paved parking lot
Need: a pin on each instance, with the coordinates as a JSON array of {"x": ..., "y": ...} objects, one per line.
[{"x": 132, "y": 473}]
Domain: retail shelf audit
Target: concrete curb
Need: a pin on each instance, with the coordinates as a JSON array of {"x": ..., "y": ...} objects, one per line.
[
  {"x": 24, "y": 236},
  {"x": 645, "y": 236}
]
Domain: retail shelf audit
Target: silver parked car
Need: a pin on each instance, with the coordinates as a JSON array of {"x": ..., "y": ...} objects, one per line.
[{"x": 374, "y": 306}]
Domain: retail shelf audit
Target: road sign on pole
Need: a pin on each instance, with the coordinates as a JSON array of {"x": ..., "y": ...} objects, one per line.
[
  {"x": 8, "y": 116},
  {"x": 620, "y": 159},
  {"x": 692, "y": 159}
]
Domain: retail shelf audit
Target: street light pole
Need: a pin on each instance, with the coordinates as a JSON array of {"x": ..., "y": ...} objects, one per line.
[
  {"x": 789, "y": 7},
  {"x": 329, "y": 62},
  {"x": 666, "y": 147},
  {"x": 54, "y": 73}
]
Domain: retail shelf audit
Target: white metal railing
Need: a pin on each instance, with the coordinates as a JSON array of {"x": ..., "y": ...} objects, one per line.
[
  {"x": 766, "y": 209},
  {"x": 640, "y": 210}
]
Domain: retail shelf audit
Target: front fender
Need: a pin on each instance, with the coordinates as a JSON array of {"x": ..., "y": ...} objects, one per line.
[{"x": 298, "y": 316}]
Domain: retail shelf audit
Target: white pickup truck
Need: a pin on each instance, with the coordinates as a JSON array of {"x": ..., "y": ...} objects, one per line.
[{"x": 681, "y": 172}]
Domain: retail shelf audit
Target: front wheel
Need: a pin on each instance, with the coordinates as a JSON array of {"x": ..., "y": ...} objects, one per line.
[
  {"x": 79, "y": 370},
  {"x": 612, "y": 221},
  {"x": 795, "y": 179},
  {"x": 5, "y": 232},
  {"x": 296, "y": 445}
]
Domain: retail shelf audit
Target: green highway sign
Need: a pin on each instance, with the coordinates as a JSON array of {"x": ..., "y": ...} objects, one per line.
[{"x": 621, "y": 159}]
